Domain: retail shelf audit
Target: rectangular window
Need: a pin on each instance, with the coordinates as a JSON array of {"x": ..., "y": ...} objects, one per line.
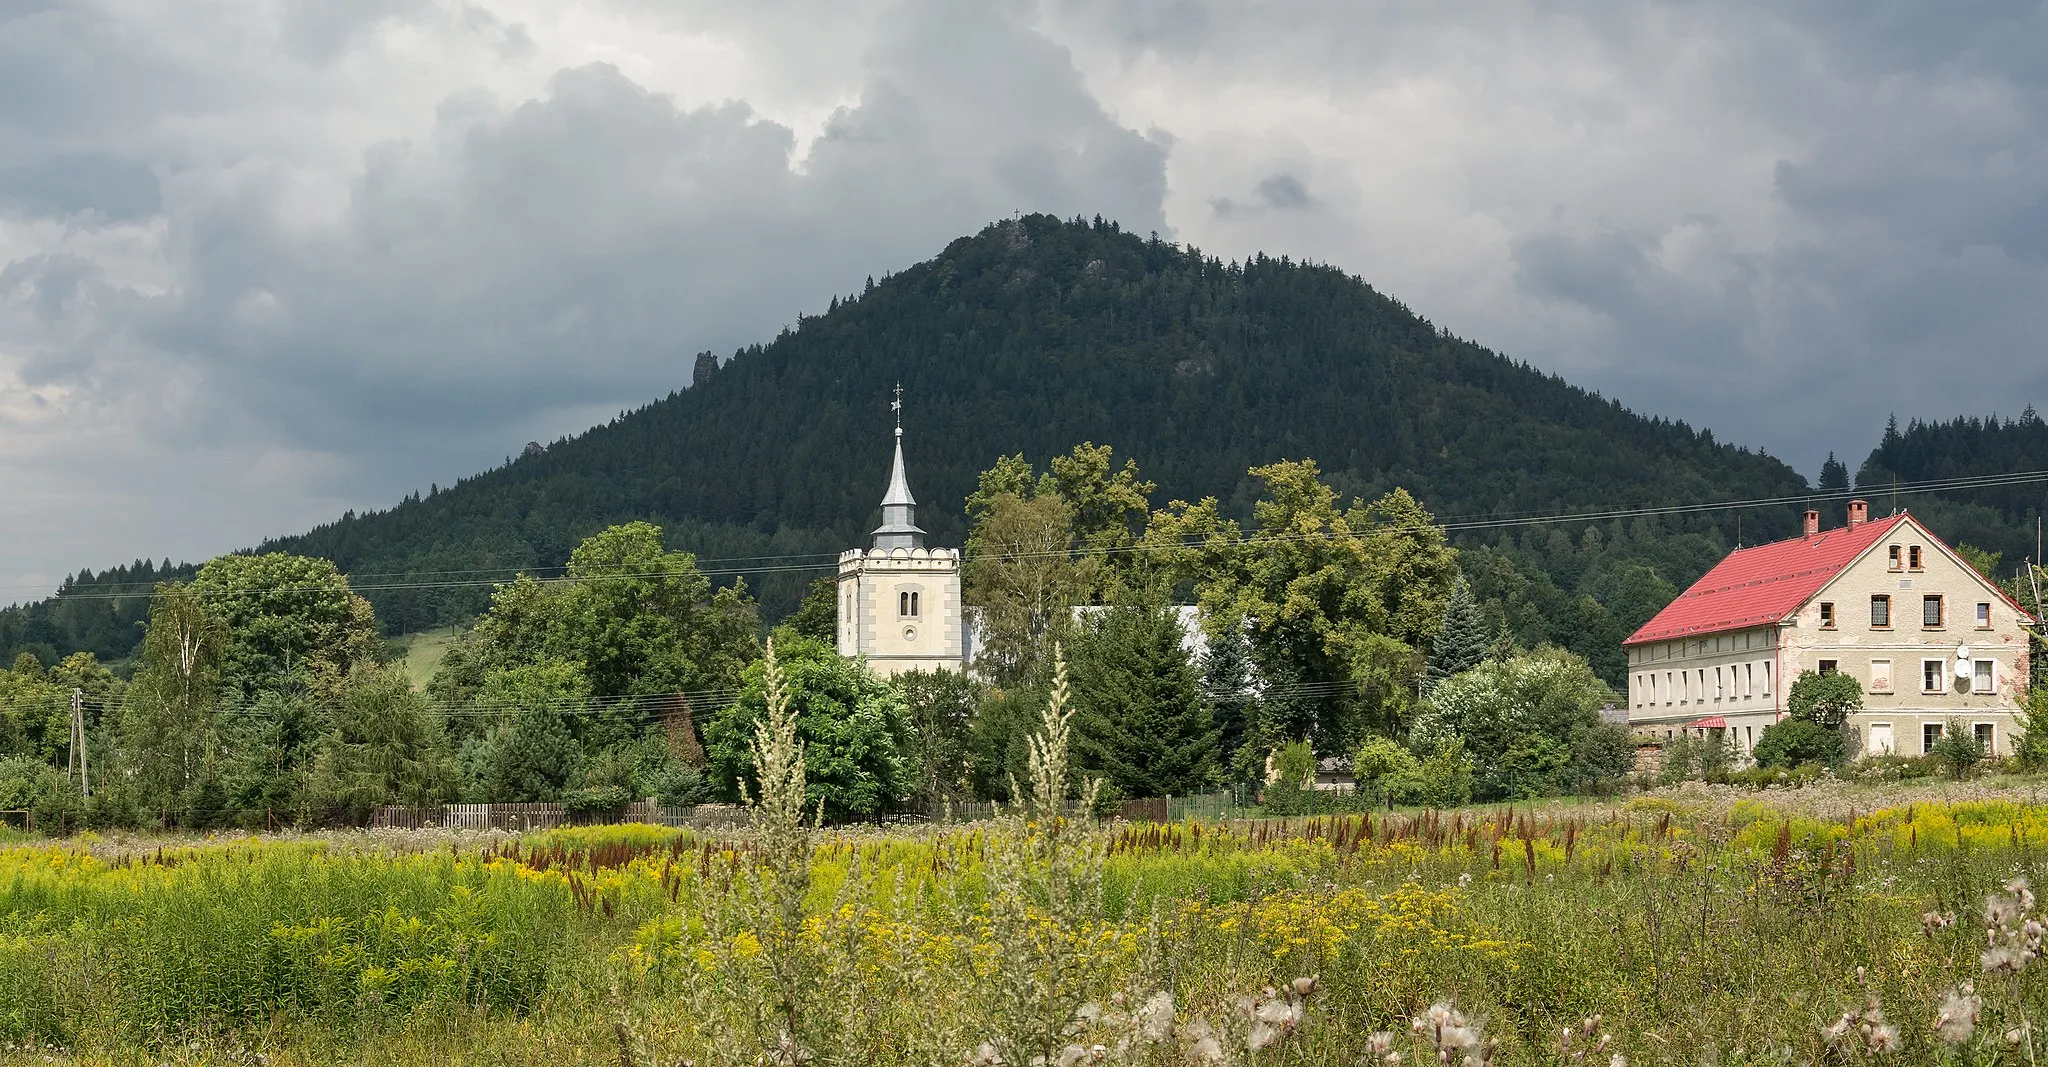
[
  {"x": 1667, "y": 689},
  {"x": 1984, "y": 676},
  {"x": 1986, "y": 737},
  {"x": 1880, "y": 676},
  {"x": 1718, "y": 692},
  {"x": 1767, "y": 679},
  {"x": 1913, "y": 558},
  {"x": 1881, "y": 612},
  {"x": 1827, "y": 616},
  {"x": 1895, "y": 557},
  {"x": 1748, "y": 680},
  {"x": 1983, "y": 615},
  {"x": 1930, "y": 675},
  {"x": 1828, "y": 666},
  {"x": 1929, "y": 734},
  {"x": 1930, "y": 611}
]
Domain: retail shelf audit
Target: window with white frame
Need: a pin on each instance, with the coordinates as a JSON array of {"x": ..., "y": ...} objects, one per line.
[
  {"x": 1748, "y": 680},
  {"x": 1767, "y": 678},
  {"x": 1718, "y": 691},
  {"x": 1984, "y": 676},
  {"x": 1931, "y": 675},
  {"x": 1930, "y": 732},
  {"x": 1986, "y": 736}
]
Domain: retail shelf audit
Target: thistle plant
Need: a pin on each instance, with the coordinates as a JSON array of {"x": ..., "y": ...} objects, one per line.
[
  {"x": 782, "y": 878},
  {"x": 1044, "y": 906}
]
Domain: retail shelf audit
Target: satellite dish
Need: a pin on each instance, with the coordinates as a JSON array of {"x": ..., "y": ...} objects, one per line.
[
  {"x": 1962, "y": 668},
  {"x": 1962, "y": 652}
]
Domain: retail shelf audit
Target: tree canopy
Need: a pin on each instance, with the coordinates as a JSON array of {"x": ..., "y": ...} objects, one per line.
[{"x": 858, "y": 744}]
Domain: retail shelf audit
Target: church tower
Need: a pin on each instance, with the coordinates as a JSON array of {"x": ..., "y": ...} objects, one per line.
[{"x": 899, "y": 602}]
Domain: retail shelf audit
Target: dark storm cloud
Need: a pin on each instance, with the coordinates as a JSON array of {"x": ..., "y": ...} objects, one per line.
[{"x": 309, "y": 254}]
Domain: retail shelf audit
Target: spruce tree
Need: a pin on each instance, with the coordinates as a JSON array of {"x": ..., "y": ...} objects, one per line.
[
  {"x": 1463, "y": 640},
  {"x": 1227, "y": 681},
  {"x": 1142, "y": 720},
  {"x": 1834, "y": 474}
]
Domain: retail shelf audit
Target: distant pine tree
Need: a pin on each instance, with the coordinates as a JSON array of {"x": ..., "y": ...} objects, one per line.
[
  {"x": 1227, "y": 681},
  {"x": 1464, "y": 640},
  {"x": 1834, "y": 474},
  {"x": 1142, "y": 719}
]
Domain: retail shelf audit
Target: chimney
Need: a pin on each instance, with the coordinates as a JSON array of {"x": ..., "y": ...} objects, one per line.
[
  {"x": 1812, "y": 522},
  {"x": 1859, "y": 513}
]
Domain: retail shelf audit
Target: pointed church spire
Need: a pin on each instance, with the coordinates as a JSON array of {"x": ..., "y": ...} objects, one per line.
[{"x": 899, "y": 508}]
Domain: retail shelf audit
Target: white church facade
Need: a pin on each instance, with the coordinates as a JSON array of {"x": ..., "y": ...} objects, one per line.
[{"x": 899, "y": 601}]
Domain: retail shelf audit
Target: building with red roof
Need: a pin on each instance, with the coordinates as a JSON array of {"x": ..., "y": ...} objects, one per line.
[{"x": 1928, "y": 637}]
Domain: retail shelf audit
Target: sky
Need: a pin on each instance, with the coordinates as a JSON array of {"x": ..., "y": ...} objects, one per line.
[{"x": 262, "y": 262}]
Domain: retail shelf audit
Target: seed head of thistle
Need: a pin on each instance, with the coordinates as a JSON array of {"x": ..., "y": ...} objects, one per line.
[
  {"x": 1155, "y": 1017},
  {"x": 1201, "y": 1045},
  {"x": 1955, "y": 1019},
  {"x": 1046, "y": 749},
  {"x": 778, "y": 756}
]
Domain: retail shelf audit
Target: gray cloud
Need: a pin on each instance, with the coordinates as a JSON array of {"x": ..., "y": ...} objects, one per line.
[
  {"x": 520, "y": 267},
  {"x": 259, "y": 264}
]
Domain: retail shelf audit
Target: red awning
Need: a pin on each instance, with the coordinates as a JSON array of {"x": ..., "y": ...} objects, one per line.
[{"x": 1711, "y": 722}]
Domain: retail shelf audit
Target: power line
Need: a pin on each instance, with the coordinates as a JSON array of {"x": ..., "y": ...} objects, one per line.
[{"x": 1450, "y": 525}]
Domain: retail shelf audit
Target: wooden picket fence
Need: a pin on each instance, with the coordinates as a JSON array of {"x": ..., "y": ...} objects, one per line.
[
  {"x": 524, "y": 817},
  {"x": 521, "y": 817}
]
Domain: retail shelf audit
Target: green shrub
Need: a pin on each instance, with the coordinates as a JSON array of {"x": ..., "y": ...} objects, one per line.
[
  {"x": 2030, "y": 748},
  {"x": 1387, "y": 773},
  {"x": 50, "y": 798},
  {"x": 1958, "y": 750},
  {"x": 1446, "y": 776},
  {"x": 1797, "y": 741},
  {"x": 1891, "y": 768}
]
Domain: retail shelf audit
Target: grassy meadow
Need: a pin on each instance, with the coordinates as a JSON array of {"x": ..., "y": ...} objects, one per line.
[{"x": 1691, "y": 926}]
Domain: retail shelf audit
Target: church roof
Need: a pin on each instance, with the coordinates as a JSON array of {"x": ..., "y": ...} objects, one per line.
[{"x": 899, "y": 482}]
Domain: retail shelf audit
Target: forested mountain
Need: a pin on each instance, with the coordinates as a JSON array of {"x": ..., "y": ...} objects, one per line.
[
  {"x": 1037, "y": 334},
  {"x": 1997, "y": 519}
]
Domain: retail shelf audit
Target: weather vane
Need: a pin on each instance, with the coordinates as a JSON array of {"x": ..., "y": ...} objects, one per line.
[{"x": 896, "y": 406}]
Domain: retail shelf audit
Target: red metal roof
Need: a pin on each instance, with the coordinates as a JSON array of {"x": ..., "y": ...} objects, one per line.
[{"x": 1762, "y": 585}]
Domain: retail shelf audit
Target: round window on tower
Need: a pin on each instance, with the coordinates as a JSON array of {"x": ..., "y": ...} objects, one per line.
[{"x": 910, "y": 633}]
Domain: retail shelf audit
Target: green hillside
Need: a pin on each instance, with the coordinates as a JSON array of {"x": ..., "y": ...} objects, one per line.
[
  {"x": 1997, "y": 519},
  {"x": 1036, "y": 334}
]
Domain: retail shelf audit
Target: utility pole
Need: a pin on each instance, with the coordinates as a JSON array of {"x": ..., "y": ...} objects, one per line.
[{"x": 77, "y": 764}]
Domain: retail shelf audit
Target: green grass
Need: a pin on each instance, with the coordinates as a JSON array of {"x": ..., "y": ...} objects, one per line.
[
  {"x": 1702, "y": 926},
  {"x": 418, "y": 654}
]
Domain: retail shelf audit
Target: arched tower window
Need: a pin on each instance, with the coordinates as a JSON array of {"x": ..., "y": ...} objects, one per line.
[{"x": 907, "y": 604}]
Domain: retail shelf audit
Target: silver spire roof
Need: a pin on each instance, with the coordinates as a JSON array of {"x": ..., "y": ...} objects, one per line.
[
  {"x": 899, "y": 482},
  {"x": 899, "y": 509}
]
